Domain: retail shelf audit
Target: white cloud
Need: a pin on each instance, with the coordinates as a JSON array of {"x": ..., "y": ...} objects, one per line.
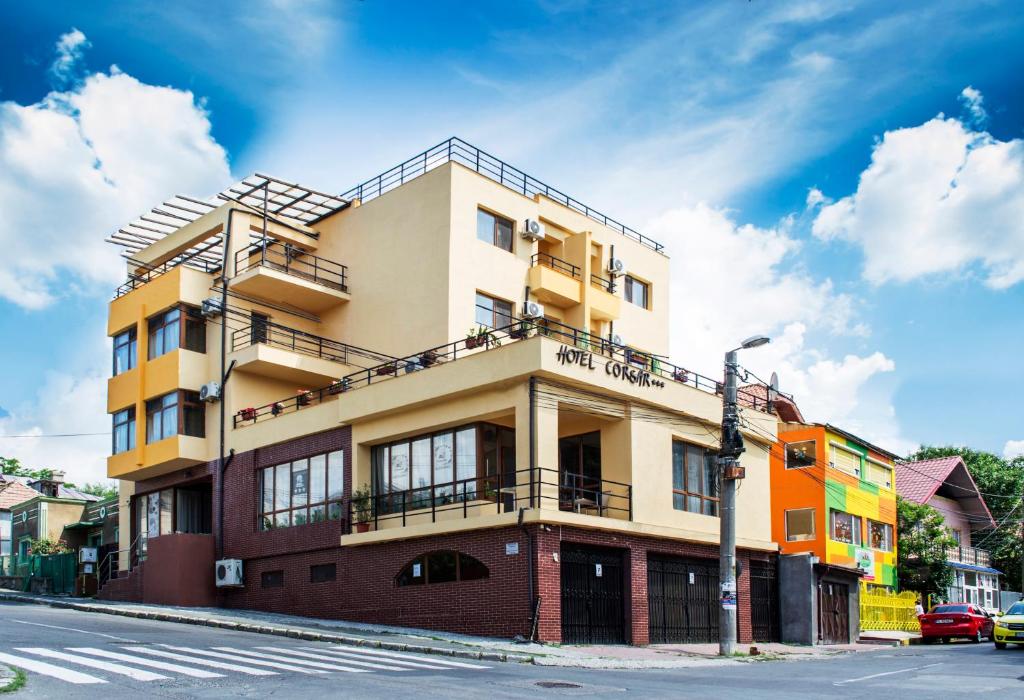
[
  {"x": 1013, "y": 448},
  {"x": 70, "y": 48},
  {"x": 973, "y": 103},
  {"x": 936, "y": 198},
  {"x": 732, "y": 281},
  {"x": 79, "y": 163}
]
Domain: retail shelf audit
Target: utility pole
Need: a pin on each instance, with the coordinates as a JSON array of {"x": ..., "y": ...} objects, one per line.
[{"x": 729, "y": 472}]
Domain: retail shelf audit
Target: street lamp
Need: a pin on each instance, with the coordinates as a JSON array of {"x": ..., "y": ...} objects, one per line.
[{"x": 728, "y": 465}]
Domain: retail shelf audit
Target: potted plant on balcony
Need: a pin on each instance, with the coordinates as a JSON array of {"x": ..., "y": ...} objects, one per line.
[
  {"x": 387, "y": 368},
  {"x": 338, "y": 386},
  {"x": 521, "y": 331},
  {"x": 304, "y": 397},
  {"x": 247, "y": 414},
  {"x": 276, "y": 409},
  {"x": 681, "y": 375},
  {"x": 473, "y": 338},
  {"x": 428, "y": 358},
  {"x": 361, "y": 508}
]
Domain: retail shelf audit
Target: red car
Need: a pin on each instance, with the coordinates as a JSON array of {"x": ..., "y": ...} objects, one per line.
[{"x": 951, "y": 620}]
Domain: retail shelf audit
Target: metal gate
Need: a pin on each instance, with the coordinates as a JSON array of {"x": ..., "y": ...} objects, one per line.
[
  {"x": 764, "y": 601},
  {"x": 833, "y": 613},
  {"x": 682, "y": 597},
  {"x": 592, "y": 596}
]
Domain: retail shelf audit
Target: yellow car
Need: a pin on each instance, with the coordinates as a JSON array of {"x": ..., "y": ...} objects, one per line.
[{"x": 1009, "y": 628}]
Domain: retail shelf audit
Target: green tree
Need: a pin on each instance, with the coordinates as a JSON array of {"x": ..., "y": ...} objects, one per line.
[
  {"x": 1001, "y": 483},
  {"x": 921, "y": 558},
  {"x": 104, "y": 491},
  {"x": 12, "y": 467},
  {"x": 47, "y": 546}
]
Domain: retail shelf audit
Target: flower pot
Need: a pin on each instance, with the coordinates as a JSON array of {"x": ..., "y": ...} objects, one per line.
[
  {"x": 681, "y": 376},
  {"x": 362, "y": 527},
  {"x": 386, "y": 369},
  {"x": 428, "y": 358},
  {"x": 473, "y": 342},
  {"x": 518, "y": 334},
  {"x": 247, "y": 414},
  {"x": 303, "y": 399},
  {"x": 334, "y": 389},
  {"x": 276, "y": 409}
]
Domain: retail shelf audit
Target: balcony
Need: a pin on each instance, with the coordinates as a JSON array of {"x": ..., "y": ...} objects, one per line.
[
  {"x": 272, "y": 350},
  {"x": 604, "y": 305},
  {"x": 554, "y": 281},
  {"x": 493, "y": 494},
  {"x": 282, "y": 272},
  {"x": 969, "y": 555},
  {"x": 158, "y": 458}
]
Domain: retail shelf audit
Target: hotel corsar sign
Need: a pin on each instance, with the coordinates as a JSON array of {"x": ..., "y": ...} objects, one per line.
[{"x": 620, "y": 370}]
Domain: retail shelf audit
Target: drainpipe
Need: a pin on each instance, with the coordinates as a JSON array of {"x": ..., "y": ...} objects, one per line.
[
  {"x": 219, "y": 480},
  {"x": 533, "y": 435}
]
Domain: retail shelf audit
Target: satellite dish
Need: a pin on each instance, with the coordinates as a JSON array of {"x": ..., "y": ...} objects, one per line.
[{"x": 773, "y": 387}]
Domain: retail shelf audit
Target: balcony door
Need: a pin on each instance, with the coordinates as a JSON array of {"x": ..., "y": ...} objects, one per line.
[
  {"x": 579, "y": 468},
  {"x": 258, "y": 327}
]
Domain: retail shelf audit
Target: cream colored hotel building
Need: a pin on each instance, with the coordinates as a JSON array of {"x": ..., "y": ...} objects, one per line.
[{"x": 448, "y": 404}]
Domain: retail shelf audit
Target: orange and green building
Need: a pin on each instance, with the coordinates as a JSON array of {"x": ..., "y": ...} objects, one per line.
[{"x": 834, "y": 496}]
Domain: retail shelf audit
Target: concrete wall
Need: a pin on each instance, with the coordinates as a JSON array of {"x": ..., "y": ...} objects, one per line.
[{"x": 179, "y": 571}]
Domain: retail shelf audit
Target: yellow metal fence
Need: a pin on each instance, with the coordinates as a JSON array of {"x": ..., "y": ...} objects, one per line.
[{"x": 882, "y": 610}]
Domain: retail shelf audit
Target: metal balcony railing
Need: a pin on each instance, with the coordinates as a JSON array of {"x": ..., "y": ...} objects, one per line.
[
  {"x": 556, "y": 264},
  {"x": 487, "y": 340},
  {"x": 495, "y": 493},
  {"x": 603, "y": 283},
  {"x": 146, "y": 273},
  {"x": 278, "y": 336},
  {"x": 293, "y": 261}
]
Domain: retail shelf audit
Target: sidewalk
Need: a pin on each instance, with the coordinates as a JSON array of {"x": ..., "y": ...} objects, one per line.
[{"x": 440, "y": 643}]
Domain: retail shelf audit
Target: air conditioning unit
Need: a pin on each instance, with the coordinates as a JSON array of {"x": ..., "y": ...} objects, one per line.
[
  {"x": 228, "y": 573},
  {"x": 532, "y": 309},
  {"x": 617, "y": 339},
  {"x": 616, "y": 266},
  {"x": 211, "y": 308},
  {"x": 210, "y": 392},
  {"x": 533, "y": 230}
]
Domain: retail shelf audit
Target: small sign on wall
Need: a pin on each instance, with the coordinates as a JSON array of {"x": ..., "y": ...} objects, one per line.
[
  {"x": 693, "y": 579},
  {"x": 598, "y": 570},
  {"x": 511, "y": 548},
  {"x": 417, "y": 570}
]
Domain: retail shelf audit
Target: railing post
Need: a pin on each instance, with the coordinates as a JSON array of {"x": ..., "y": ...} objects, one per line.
[{"x": 629, "y": 492}]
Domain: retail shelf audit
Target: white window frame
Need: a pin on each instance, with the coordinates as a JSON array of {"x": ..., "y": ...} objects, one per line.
[
  {"x": 857, "y": 520},
  {"x": 885, "y": 466},
  {"x": 801, "y": 538}
]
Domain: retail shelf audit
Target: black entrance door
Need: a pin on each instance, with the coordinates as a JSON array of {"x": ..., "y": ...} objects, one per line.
[
  {"x": 834, "y": 613},
  {"x": 592, "y": 596},
  {"x": 682, "y": 597},
  {"x": 764, "y": 601}
]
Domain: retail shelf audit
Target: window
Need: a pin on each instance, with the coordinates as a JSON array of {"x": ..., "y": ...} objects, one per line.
[
  {"x": 321, "y": 573},
  {"x": 491, "y": 312},
  {"x": 879, "y": 473},
  {"x": 445, "y": 566},
  {"x": 800, "y": 525},
  {"x": 24, "y": 545},
  {"x": 5, "y": 533},
  {"x": 125, "y": 345},
  {"x": 308, "y": 490},
  {"x": 272, "y": 579},
  {"x": 124, "y": 431},
  {"x": 167, "y": 332},
  {"x": 800, "y": 455},
  {"x": 845, "y": 527},
  {"x": 446, "y": 466},
  {"x": 956, "y": 535},
  {"x": 845, "y": 460},
  {"x": 880, "y": 536},
  {"x": 694, "y": 479},
  {"x": 637, "y": 292},
  {"x": 494, "y": 229},
  {"x": 176, "y": 413}
]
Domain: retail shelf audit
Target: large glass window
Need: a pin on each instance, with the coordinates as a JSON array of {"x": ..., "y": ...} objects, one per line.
[
  {"x": 124, "y": 430},
  {"x": 445, "y": 566},
  {"x": 178, "y": 327},
  {"x": 637, "y": 292},
  {"x": 800, "y": 455},
  {"x": 800, "y": 524},
  {"x": 694, "y": 479},
  {"x": 494, "y": 229},
  {"x": 880, "y": 536},
  {"x": 491, "y": 312},
  {"x": 125, "y": 345},
  {"x": 445, "y": 466},
  {"x": 179, "y": 412},
  {"x": 846, "y": 527},
  {"x": 308, "y": 490}
]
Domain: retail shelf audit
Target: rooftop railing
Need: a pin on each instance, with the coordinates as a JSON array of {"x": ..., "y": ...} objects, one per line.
[
  {"x": 458, "y": 151},
  {"x": 494, "y": 493},
  {"x": 487, "y": 340},
  {"x": 556, "y": 264},
  {"x": 293, "y": 261},
  {"x": 145, "y": 273}
]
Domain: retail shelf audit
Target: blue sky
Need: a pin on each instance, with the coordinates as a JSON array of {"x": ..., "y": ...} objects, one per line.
[{"x": 894, "y": 292}]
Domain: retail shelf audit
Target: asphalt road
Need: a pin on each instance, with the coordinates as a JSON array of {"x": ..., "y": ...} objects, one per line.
[{"x": 70, "y": 654}]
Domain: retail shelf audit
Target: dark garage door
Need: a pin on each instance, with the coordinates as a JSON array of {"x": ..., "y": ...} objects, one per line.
[
  {"x": 834, "y": 612},
  {"x": 764, "y": 601},
  {"x": 592, "y": 596},
  {"x": 682, "y": 597}
]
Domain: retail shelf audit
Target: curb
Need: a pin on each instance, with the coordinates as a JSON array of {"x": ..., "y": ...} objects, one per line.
[{"x": 292, "y": 632}]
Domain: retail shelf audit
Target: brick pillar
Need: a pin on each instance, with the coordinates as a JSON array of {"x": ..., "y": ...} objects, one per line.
[
  {"x": 745, "y": 632},
  {"x": 549, "y": 585},
  {"x": 636, "y": 590}
]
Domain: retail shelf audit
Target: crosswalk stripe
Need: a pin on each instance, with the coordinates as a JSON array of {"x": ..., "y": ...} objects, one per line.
[
  {"x": 202, "y": 662},
  {"x": 244, "y": 658},
  {"x": 132, "y": 673},
  {"x": 402, "y": 655},
  {"x": 336, "y": 666},
  {"x": 389, "y": 666},
  {"x": 162, "y": 665},
  {"x": 64, "y": 674},
  {"x": 334, "y": 653}
]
